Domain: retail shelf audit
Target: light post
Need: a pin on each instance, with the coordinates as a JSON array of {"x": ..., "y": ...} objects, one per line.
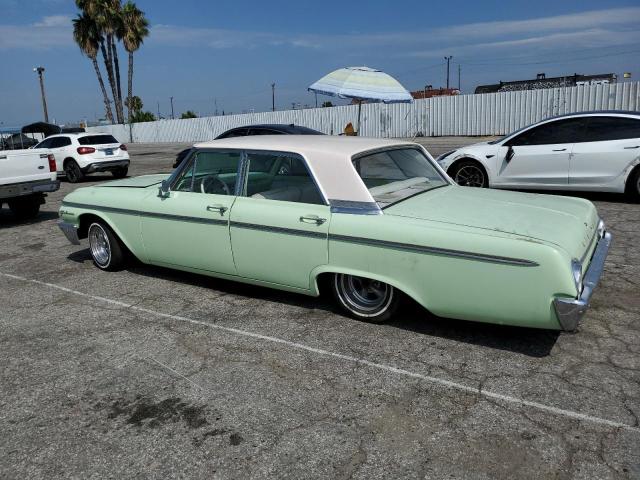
[
  {"x": 40, "y": 72},
  {"x": 448, "y": 59}
]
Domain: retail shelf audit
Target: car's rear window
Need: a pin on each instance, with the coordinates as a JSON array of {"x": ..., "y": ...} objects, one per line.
[
  {"x": 395, "y": 174},
  {"x": 97, "y": 140}
]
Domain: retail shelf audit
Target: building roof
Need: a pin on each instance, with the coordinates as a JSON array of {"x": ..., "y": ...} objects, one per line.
[
  {"x": 544, "y": 82},
  {"x": 328, "y": 158}
]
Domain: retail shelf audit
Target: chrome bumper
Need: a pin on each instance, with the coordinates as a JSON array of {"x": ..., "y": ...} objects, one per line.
[
  {"x": 70, "y": 231},
  {"x": 106, "y": 166},
  {"x": 571, "y": 310}
]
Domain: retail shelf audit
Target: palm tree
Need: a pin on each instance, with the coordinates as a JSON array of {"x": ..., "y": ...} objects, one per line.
[
  {"x": 134, "y": 28},
  {"x": 88, "y": 38}
]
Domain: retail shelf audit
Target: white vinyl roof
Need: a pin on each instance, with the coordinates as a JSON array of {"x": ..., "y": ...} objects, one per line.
[{"x": 328, "y": 157}]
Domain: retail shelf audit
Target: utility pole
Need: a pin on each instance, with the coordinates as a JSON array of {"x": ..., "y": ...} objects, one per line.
[
  {"x": 316, "y": 93},
  {"x": 215, "y": 102},
  {"x": 273, "y": 97},
  {"x": 172, "y": 116},
  {"x": 293, "y": 105},
  {"x": 459, "y": 88},
  {"x": 40, "y": 72},
  {"x": 158, "y": 110},
  {"x": 448, "y": 59}
]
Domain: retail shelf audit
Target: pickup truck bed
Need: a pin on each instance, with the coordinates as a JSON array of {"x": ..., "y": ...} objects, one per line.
[{"x": 25, "y": 177}]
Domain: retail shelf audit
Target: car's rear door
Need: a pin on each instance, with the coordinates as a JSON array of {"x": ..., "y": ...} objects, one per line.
[
  {"x": 279, "y": 226},
  {"x": 540, "y": 155},
  {"x": 611, "y": 144},
  {"x": 190, "y": 226}
]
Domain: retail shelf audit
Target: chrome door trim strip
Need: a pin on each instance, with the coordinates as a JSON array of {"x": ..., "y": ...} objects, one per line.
[
  {"x": 434, "y": 251},
  {"x": 286, "y": 231},
  {"x": 164, "y": 216}
]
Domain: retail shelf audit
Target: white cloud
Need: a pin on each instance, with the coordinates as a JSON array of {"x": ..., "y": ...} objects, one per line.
[{"x": 54, "y": 21}]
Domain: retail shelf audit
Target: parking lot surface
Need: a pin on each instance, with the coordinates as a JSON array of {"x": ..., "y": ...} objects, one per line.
[{"x": 153, "y": 373}]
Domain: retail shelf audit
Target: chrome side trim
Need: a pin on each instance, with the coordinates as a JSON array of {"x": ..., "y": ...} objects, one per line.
[
  {"x": 286, "y": 231},
  {"x": 164, "y": 216},
  {"x": 434, "y": 251},
  {"x": 354, "y": 208},
  {"x": 571, "y": 310},
  {"x": 70, "y": 231}
]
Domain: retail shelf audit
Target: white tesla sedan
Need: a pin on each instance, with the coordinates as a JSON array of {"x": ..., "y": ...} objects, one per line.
[{"x": 591, "y": 151}]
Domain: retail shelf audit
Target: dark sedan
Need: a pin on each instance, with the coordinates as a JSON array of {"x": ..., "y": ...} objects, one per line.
[{"x": 267, "y": 129}]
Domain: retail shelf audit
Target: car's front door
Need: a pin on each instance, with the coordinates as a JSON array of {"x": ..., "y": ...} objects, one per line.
[
  {"x": 279, "y": 226},
  {"x": 610, "y": 146},
  {"x": 539, "y": 156},
  {"x": 189, "y": 226}
]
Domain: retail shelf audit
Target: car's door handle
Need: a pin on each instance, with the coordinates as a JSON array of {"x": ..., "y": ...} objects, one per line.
[
  {"x": 217, "y": 208},
  {"x": 313, "y": 219},
  {"x": 631, "y": 148},
  {"x": 559, "y": 149}
]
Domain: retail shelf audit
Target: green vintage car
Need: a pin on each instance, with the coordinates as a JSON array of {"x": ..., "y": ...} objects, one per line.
[{"x": 375, "y": 219}]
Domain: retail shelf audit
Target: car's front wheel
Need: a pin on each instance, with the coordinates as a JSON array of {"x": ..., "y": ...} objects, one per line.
[
  {"x": 105, "y": 248},
  {"x": 365, "y": 299},
  {"x": 73, "y": 172},
  {"x": 633, "y": 185},
  {"x": 469, "y": 173}
]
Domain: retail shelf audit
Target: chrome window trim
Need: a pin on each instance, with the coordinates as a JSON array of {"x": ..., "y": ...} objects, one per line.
[{"x": 354, "y": 208}]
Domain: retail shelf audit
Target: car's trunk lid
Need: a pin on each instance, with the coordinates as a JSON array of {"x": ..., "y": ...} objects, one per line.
[{"x": 566, "y": 222}]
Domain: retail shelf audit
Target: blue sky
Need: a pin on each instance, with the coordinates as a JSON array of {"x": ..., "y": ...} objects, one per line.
[{"x": 200, "y": 51}]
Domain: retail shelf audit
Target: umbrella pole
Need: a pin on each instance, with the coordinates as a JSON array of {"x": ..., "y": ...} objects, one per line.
[{"x": 359, "y": 112}]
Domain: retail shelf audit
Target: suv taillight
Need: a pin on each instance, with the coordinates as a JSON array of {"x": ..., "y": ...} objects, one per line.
[
  {"x": 52, "y": 162},
  {"x": 85, "y": 150},
  {"x": 123, "y": 147}
]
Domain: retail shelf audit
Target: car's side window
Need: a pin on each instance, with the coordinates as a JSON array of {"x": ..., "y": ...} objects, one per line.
[
  {"x": 284, "y": 177},
  {"x": 601, "y": 129},
  {"x": 64, "y": 141},
  {"x": 45, "y": 143},
  {"x": 571, "y": 130},
  {"x": 210, "y": 172}
]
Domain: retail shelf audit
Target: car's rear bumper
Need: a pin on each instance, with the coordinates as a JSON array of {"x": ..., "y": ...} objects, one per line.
[
  {"x": 28, "y": 188},
  {"x": 106, "y": 166},
  {"x": 571, "y": 310},
  {"x": 70, "y": 231}
]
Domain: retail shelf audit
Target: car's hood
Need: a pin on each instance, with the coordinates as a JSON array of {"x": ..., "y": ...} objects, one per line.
[
  {"x": 136, "y": 182},
  {"x": 567, "y": 222}
]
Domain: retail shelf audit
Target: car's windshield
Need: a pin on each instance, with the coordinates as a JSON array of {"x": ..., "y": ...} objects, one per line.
[{"x": 395, "y": 174}]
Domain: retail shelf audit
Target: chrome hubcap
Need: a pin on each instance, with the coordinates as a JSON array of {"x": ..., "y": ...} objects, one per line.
[
  {"x": 99, "y": 245},
  {"x": 470, "y": 176},
  {"x": 363, "y": 294}
]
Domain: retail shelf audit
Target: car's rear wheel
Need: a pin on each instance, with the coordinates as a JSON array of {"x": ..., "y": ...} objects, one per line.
[
  {"x": 469, "y": 173},
  {"x": 25, "y": 208},
  {"x": 105, "y": 247},
  {"x": 364, "y": 298},
  {"x": 73, "y": 172},
  {"x": 633, "y": 185},
  {"x": 120, "y": 172}
]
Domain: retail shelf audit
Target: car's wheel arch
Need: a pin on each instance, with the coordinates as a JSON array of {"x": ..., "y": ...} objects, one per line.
[
  {"x": 86, "y": 219},
  {"x": 66, "y": 161},
  {"x": 632, "y": 169},
  {"x": 321, "y": 275}
]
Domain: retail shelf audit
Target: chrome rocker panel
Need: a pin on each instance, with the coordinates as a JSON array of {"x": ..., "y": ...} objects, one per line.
[{"x": 571, "y": 310}]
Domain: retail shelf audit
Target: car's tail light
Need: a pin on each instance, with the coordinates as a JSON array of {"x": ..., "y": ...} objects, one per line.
[
  {"x": 85, "y": 150},
  {"x": 123, "y": 147},
  {"x": 52, "y": 162}
]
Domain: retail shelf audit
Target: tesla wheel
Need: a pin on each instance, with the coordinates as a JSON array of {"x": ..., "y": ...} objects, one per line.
[
  {"x": 105, "y": 248},
  {"x": 73, "y": 172},
  {"x": 633, "y": 185},
  {"x": 365, "y": 299},
  {"x": 120, "y": 172},
  {"x": 469, "y": 173}
]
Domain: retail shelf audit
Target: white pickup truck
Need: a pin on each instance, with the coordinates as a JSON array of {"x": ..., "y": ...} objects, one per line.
[{"x": 25, "y": 177}]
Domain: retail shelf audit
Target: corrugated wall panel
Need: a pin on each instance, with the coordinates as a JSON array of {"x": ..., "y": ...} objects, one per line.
[{"x": 487, "y": 114}]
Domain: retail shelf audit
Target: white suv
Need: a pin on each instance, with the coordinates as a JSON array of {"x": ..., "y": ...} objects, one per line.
[{"x": 78, "y": 154}]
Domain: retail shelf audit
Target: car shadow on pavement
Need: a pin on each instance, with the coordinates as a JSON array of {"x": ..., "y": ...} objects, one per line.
[
  {"x": 411, "y": 317},
  {"x": 8, "y": 220}
]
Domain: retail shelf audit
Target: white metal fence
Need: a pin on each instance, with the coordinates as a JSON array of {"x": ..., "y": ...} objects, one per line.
[{"x": 486, "y": 114}]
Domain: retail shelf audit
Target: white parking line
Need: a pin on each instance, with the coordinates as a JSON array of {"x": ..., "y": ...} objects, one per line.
[{"x": 380, "y": 366}]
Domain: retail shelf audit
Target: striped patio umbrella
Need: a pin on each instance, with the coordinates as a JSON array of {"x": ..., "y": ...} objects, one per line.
[{"x": 362, "y": 84}]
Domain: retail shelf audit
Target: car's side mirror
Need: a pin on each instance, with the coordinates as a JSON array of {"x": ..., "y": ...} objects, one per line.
[
  {"x": 510, "y": 154},
  {"x": 163, "y": 191}
]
